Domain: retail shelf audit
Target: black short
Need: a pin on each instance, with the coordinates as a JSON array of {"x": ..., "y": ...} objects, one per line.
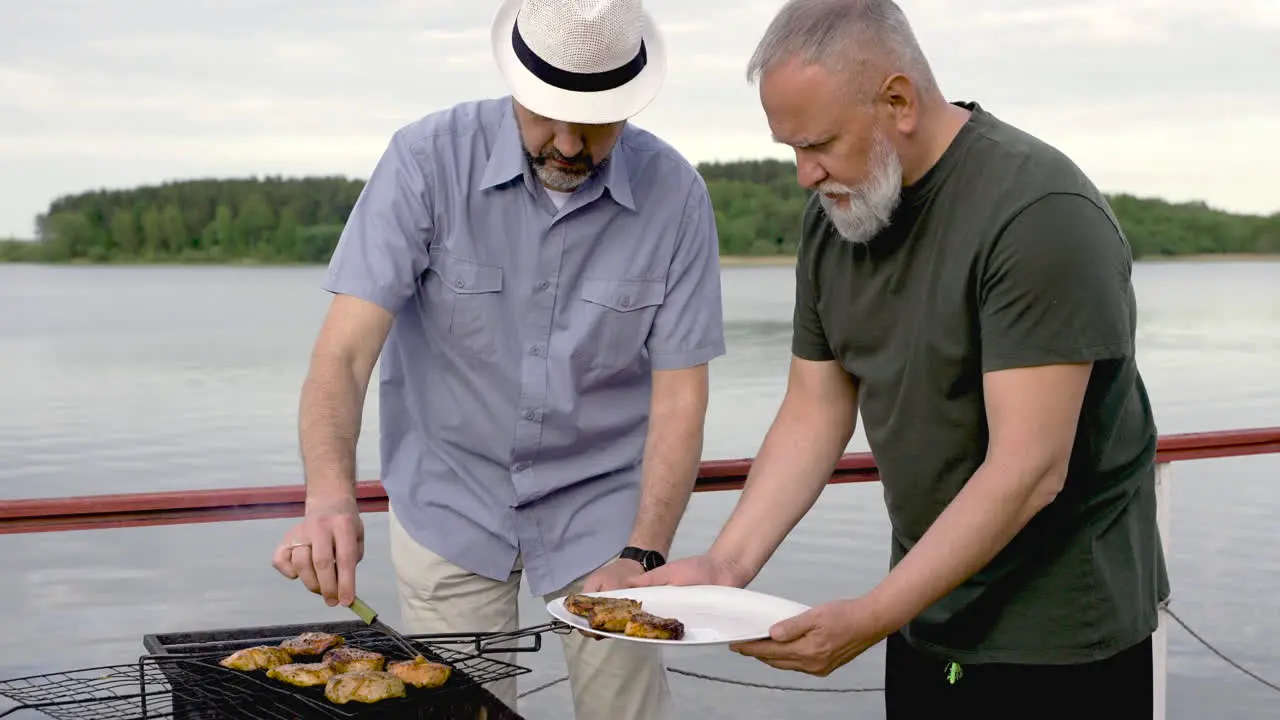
[{"x": 917, "y": 687}]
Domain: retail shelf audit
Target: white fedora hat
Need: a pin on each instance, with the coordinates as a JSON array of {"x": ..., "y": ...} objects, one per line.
[{"x": 582, "y": 61}]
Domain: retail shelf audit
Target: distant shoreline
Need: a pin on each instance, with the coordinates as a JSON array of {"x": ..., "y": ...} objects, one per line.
[
  {"x": 725, "y": 261},
  {"x": 1214, "y": 257},
  {"x": 788, "y": 260},
  {"x": 757, "y": 260},
  {"x": 296, "y": 220}
]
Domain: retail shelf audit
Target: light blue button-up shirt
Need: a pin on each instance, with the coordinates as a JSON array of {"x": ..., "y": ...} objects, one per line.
[{"x": 515, "y": 381}]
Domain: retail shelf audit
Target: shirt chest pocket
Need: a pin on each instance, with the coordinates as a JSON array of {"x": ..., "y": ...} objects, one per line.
[
  {"x": 618, "y": 315},
  {"x": 467, "y": 303}
]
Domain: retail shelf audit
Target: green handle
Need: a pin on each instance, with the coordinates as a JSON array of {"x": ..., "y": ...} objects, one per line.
[{"x": 365, "y": 612}]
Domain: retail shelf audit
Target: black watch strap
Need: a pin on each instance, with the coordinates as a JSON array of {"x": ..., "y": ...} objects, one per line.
[{"x": 648, "y": 559}]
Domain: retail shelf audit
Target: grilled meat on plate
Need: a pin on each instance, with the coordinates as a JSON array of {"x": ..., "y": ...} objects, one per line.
[
  {"x": 612, "y": 617},
  {"x": 261, "y": 657},
  {"x": 420, "y": 672},
  {"x": 350, "y": 659},
  {"x": 363, "y": 686},
  {"x": 303, "y": 674},
  {"x": 311, "y": 643},
  {"x": 645, "y": 625},
  {"x": 581, "y": 605}
]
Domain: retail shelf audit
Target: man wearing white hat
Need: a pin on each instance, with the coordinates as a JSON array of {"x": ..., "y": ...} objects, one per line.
[{"x": 540, "y": 280}]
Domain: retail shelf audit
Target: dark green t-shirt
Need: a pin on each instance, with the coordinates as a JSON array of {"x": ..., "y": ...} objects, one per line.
[{"x": 1004, "y": 255}]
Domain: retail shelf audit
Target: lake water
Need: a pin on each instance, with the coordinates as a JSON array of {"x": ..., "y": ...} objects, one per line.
[{"x": 171, "y": 378}]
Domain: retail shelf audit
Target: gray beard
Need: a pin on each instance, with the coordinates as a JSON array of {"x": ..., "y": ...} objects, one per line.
[
  {"x": 868, "y": 207},
  {"x": 558, "y": 179}
]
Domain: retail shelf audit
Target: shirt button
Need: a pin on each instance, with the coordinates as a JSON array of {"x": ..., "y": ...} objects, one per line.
[
  {"x": 529, "y": 415},
  {"x": 521, "y": 467},
  {"x": 544, "y": 284},
  {"x": 459, "y": 282},
  {"x": 626, "y": 301},
  {"x": 535, "y": 350}
]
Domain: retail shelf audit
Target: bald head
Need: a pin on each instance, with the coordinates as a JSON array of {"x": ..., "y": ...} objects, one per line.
[{"x": 861, "y": 41}]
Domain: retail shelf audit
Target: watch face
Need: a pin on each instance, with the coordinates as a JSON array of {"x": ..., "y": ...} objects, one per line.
[{"x": 648, "y": 559}]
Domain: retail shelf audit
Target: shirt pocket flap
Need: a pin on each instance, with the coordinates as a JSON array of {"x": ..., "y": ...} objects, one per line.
[
  {"x": 466, "y": 276},
  {"x": 624, "y": 295}
]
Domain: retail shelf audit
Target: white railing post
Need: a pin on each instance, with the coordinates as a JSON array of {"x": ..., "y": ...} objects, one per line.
[{"x": 1160, "y": 641}]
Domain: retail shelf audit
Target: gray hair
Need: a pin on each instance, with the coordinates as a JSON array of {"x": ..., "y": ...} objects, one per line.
[{"x": 843, "y": 36}]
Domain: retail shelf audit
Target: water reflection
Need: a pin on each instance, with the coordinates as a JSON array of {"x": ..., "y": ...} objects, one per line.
[{"x": 128, "y": 379}]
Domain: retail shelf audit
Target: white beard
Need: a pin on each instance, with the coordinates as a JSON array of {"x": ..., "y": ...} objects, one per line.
[{"x": 868, "y": 207}]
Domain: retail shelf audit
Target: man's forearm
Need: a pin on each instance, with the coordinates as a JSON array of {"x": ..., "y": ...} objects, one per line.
[
  {"x": 993, "y": 507},
  {"x": 673, "y": 451},
  {"x": 794, "y": 465},
  {"x": 329, "y": 418}
]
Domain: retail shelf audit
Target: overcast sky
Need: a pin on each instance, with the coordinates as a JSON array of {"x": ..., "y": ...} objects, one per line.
[{"x": 1177, "y": 98}]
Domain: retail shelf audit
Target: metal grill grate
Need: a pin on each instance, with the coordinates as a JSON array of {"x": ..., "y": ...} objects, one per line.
[
  {"x": 198, "y": 679},
  {"x": 110, "y": 692},
  {"x": 181, "y": 679}
]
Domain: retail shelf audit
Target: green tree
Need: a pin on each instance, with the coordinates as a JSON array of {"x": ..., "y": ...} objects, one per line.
[
  {"x": 152, "y": 233},
  {"x": 173, "y": 230},
  {"x": 124, "y": 232}
]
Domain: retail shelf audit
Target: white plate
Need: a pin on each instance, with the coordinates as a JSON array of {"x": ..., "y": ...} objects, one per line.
[{"x": 712, "y": 614}]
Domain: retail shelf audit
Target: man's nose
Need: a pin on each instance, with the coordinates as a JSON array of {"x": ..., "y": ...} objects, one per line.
[
  {"x": 809, "y": 174},
  {"x": 569, "y": 142}
]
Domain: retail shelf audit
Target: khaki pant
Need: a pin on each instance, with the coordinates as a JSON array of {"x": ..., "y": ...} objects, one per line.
[{"x": 610, "y": 679}]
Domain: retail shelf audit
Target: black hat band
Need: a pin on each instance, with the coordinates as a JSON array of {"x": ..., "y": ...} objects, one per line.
[{"x": 576, "y": 81}]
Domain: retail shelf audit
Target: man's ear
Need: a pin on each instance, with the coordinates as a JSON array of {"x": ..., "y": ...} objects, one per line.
[{"x": 899, "y": 100}]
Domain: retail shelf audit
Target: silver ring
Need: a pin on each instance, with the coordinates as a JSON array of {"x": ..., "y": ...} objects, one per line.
[{"x": 297, "y": 545}]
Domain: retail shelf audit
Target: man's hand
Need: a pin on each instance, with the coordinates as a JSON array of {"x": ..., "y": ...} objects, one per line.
[
  {"x": 324, "y": 548},
  {"x": 617, "y": 574},
  {"x": 614, "y": 575},
  {"x": 697, "y": 570},
  {"x": 819, "y": 640}
]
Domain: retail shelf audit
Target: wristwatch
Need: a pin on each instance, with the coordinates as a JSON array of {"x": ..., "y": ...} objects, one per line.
[{"x": 648, "y": 559}]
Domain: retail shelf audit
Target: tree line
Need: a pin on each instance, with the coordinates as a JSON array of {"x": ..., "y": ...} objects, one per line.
[{"x": 286, "y": 220}]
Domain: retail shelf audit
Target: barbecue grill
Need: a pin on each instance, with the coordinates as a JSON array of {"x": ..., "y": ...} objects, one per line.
[{"x": 180, "y": 678}]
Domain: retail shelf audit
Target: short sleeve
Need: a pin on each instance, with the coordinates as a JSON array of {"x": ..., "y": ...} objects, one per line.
[
  {"x": 808, "y": 339},
  {"x": 688, "y": 328},
  {"x": 383, "y": 248},
  {"x": 1056, "y": 287}
]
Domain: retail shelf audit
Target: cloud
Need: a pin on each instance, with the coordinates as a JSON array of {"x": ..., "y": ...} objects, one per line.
[
  {"x": 1152, "y": 96},
  {"x": 475, "y": 35},
  {"x": 27, "y": 90},
  {"x": 1082, "y": 24}
]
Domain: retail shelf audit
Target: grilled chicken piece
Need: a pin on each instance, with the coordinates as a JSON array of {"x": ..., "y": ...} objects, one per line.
[
  {"x": 303, "y": 674},
  {"x": 645, "y": 625},
  {"x": 581, "y": 605},
  {"x": 363, "y": 686},
  {"x": 312, "y": 643},
  {"x": 262, "y": 657},
  {"x": 612, "y": 617},
  {"x": 420, "y": 672},
  {"x": 353, "y": 659}
]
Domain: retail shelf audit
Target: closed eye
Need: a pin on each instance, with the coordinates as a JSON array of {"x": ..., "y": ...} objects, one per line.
[{"x": 805, "y": 144}]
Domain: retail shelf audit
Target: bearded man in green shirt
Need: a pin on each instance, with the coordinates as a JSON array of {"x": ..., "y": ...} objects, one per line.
[{"x": 966, "y": 287}]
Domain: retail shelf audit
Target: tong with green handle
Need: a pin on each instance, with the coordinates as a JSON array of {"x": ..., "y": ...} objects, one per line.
[{"x": 370, "y": 617}]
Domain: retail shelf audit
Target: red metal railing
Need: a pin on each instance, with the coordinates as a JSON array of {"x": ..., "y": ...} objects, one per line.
[{"x": 98, "y": 512}]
